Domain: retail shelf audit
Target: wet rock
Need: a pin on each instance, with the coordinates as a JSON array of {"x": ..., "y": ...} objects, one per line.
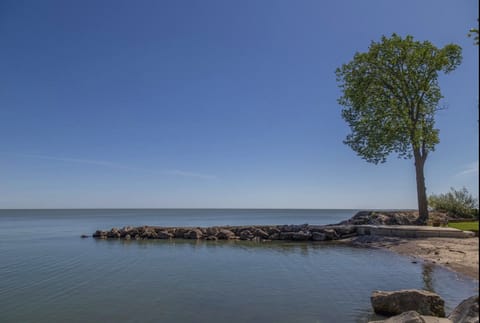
[
  {"x": 83, "y": 236},
  {"x": 466, "y": 311},
  {"x": 397, "y": 302}
]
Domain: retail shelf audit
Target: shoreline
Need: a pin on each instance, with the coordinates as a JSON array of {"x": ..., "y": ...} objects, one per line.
[{"x": 460, "y": 255}]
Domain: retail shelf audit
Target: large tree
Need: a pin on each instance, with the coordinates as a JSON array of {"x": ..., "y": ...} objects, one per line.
[{"x": 390, "y": 97}]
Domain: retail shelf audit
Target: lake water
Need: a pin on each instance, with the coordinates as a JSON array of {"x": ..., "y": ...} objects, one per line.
[{"x": 49, "y": 274}]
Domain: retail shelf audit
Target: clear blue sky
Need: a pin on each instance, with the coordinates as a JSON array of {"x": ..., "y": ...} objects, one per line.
[{"x": 213, "y": 103}]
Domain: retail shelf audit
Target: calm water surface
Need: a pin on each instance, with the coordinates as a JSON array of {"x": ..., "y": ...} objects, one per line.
[{"x": 49, "y": 274}]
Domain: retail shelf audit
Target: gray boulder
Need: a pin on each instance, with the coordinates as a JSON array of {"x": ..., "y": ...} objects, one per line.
[
  {"x": 466, "y": 311},
  {"x": 397, "y": 302}
]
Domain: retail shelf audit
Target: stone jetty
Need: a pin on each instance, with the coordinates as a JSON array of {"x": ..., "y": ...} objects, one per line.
[
  {"x": 393, "y": 224},
  {"x": 302, "y": 232}
]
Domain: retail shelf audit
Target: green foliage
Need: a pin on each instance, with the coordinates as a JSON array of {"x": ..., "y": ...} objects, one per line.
[
  {"x": 456, "y": 203},
  {"x": 465, "y": 226},
  {"x": 391, "y": 94}
]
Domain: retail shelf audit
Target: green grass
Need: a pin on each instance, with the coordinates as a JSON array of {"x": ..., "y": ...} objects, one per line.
[{"x": 466, "y": 226}]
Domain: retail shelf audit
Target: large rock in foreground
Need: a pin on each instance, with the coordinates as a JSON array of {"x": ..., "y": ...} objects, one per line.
[
  {"x": 466, "y": 311},
  {"x": 397, "y": 302},
  {"x": 413, "y": 317}
]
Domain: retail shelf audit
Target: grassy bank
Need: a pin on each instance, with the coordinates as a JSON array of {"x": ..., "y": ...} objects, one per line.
[{"x": 466, "y": 226}]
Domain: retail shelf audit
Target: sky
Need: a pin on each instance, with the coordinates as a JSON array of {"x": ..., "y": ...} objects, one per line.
[{"x": 213, "y": 104}]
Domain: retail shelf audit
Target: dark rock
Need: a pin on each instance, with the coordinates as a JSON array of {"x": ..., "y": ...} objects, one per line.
[
  {"x": 260, "y": 233},
  {"x": 272, "y": 230},
  {"x": 274, "y": 236},
  {"x": 212, "y": 238},
  {"x": 345, "y": 230},
  {"x": 301, "y": 236},
  {"x": 397, "y": 302},
  {"x": 193, "y": 234},
  {"x": 330, "y": 234},
  {"x": 212, "y": 231},
  {"x": 100, "y": 233},
  {"x": 246, "y": 235},
  {"x": 466, "y": 311},
  {"x": 180, "y": 232},
  {"x": 224, "y": 234},
  {"x": 293, "y": 228},
  {"x": 164, "y": 235},
  {"x": 286, "y": 235},
  {"x": 83, "y": 236},
  {"x": 148, "y": 233},
  {"x": 319, "y": 236}
]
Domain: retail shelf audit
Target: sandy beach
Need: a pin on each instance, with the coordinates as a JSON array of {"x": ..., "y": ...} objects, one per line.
[{"x": 459, "y": 255}]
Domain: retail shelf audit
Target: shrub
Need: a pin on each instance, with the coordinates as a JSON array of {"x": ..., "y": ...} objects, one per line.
[{"x": 456, "y": 203}]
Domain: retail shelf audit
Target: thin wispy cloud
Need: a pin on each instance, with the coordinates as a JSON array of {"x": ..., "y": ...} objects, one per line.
[
  {"x": 109, "y": 164},
  {"x": 470, "y": 169}
]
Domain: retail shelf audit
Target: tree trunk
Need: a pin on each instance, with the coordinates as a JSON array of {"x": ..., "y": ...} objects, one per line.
[{"x": 421, "y": 189}]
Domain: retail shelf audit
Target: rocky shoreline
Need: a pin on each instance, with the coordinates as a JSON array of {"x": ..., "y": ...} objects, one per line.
[{"x": 302, "y": 232}]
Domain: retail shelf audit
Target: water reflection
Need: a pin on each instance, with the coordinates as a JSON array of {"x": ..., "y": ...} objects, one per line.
[{"x": 284, "y": 247}]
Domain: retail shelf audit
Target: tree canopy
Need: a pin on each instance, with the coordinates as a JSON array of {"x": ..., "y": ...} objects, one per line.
[{"x": 391, "y": 94}]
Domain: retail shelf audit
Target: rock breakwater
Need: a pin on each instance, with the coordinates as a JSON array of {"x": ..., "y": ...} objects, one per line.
[{"x": 302, "y": 232}]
